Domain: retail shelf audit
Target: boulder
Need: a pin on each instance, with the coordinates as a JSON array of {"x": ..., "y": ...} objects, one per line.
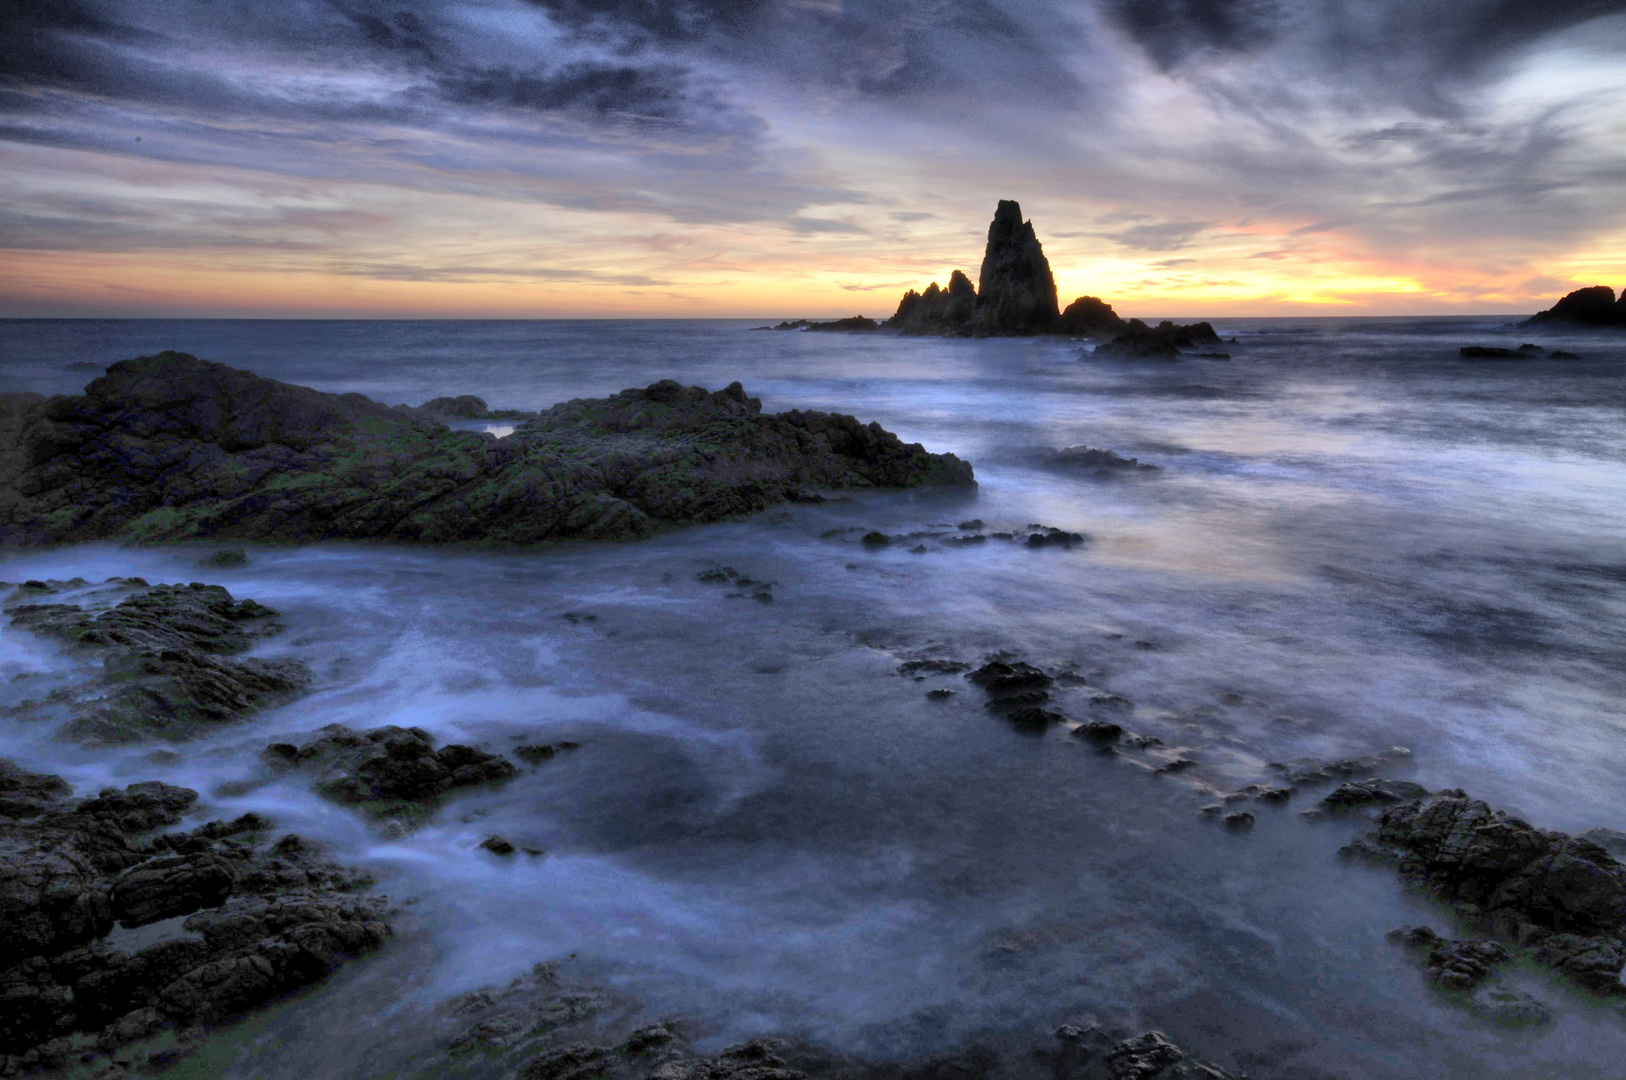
[
  {"x": 463, "y": 407},
  {"x": 170, "y": 447},
  {"x": 1090, "y": 316}
]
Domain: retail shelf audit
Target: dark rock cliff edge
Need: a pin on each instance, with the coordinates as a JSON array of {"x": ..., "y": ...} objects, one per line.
[
  {"x": 170, "y": 447},
  {"x": 1595, "y": 306}
]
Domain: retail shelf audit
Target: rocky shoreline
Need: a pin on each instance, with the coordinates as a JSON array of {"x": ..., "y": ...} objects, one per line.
[{"x": 170, "y": 447}]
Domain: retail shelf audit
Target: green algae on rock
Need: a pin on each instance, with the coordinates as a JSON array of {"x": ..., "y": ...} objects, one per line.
[{"x": 170, "y": 447}]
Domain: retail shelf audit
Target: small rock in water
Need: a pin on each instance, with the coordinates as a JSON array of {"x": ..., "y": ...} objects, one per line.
[
  {"x": 226, "y": 558},
  {"x": 1241, "y": 821},
  {"x": 497, "y": 845},
  {"x": 1102, "y": 731},
  {"x": 876, "y": 539},
  {"x": 536, "y": 753},
  {"x": 940, "y": 694}
]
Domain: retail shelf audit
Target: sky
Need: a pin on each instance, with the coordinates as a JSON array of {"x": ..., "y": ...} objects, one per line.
[{"x": 783, "y": 158}]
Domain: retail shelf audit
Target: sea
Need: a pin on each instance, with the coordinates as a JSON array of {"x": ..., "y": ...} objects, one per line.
[{"x": 1353, "y": 539}]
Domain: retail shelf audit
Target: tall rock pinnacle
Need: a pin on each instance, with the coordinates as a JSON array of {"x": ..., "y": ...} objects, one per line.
[{"x": 1016, "y": 293}]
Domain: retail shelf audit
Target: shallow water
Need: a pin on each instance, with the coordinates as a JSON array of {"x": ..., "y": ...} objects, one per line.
[{"x": 1354, "y": 540}]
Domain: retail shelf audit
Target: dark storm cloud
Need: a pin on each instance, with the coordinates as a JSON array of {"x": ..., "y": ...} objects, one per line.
[{"x": 1172, "y": 30}]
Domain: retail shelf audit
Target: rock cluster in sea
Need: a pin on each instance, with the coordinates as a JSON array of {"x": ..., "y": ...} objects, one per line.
[
  {"x": 1015, "y": 293},
  {"x": 1593, "y": 306},
  {"x": 170, "y": 447}
]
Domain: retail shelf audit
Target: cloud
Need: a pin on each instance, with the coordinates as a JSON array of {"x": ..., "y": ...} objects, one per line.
[{"x": 1159, "y": 236}]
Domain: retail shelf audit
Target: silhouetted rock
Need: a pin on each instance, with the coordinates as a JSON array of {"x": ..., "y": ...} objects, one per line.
[
  {"x": 1594, "y": 306},
  {"x": 464, "y": 406},
  {"x": 1090, "y": 315},
  {"x": 1491, "y": 352},
  {"x": 936, "y": 311},
  {"x": 851, "y": 322},
  {"x": 1016, "y": 293},
  {"x": 1161, "y": 342},
  {"x": 171, "y": 447}
]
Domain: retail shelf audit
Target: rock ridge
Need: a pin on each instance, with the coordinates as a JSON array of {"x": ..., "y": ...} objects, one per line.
[{"x": 170, "y": 447}]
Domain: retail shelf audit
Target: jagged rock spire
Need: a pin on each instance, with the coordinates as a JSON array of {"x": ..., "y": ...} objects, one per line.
[{"x": 1016, "y": 293}]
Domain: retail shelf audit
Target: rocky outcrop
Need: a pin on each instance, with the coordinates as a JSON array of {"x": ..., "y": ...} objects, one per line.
[
  {"x": 389, "y": 771},
  {"x": 1161, "y": 342},
  {"x": 1090, "y": 315},
  {"x": 1015, "y": 293},
  {"x": 262, "y": 918},
  {"x": 1594, "y": 306},
  {"x": 1089, "y": 461},
  {"x": 171, "y": 447},
  {"x": 937, "y": 311},
  {"x": 1562, "y": 897},
  {"x": 167, "y": 667},
  {"x": 1091, "y": 1052}
]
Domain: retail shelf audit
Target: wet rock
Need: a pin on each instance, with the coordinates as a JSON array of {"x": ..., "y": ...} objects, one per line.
[
  {"x": 1088, "y": 461},
  {"x": 226, "y": 559},
  {"x": 1506, "y": 1007},
  {"x": 388, "y": 771},
  {"x": 1490, "y": 352},
  {"x": 168, "y": 659},
  {"x": 940, "y": 694},
  {"x": 498, "y": 845},
  {"x": 1099, "y": 731},
  {"x": 1164, "y": 341},
  {"x": 1240, "y": 821},
  {"x": 1050, "y": 536},
  {"x": 1454, "y": 965},
  {"x": 1304, "y": 771},
  {"x": 261, "y": 920},
  {"x": 1001, "y": 678},
  {"x": 753, "y": 1060},
  {"x": 170, "y": 447},
  {"x": 1565, "y": 896},
  {"x": 1091, "y": 1052},
  {"x": 876, "y": 539},
  {"x": 919, "y": 668},
  {"x": 1375, "y": 792},
  {"x": 1033, "y": 718},
  {"x": 536, "y": 753}
]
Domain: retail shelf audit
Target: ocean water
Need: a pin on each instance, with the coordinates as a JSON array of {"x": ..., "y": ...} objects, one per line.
[{"x": 1353, "y": 540}]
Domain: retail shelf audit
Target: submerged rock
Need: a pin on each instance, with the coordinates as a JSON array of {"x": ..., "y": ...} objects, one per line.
[
  {"x": 168, "y": 667},
  {"x": 389, "y": 771},
  {"x": 262, "y": 918},
  {"x": 170, "y": 447},
  {"x": 1089, "y": 461}
]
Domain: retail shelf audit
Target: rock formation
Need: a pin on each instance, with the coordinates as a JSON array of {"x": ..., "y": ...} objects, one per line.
[
  {"x": 163, "y": 657},
  {"x": 170, "y": 447},
  {"x": 1562, "y": 897},
  {"x": 1161, "y": 342},
  {"x": 263, "y": 917},
  {"x": 936, "y": 311},
  {"x": 1594, "y": 306},
  {"x": 1090, "y": 315},
  {"x": 1015, "y": 293}
]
